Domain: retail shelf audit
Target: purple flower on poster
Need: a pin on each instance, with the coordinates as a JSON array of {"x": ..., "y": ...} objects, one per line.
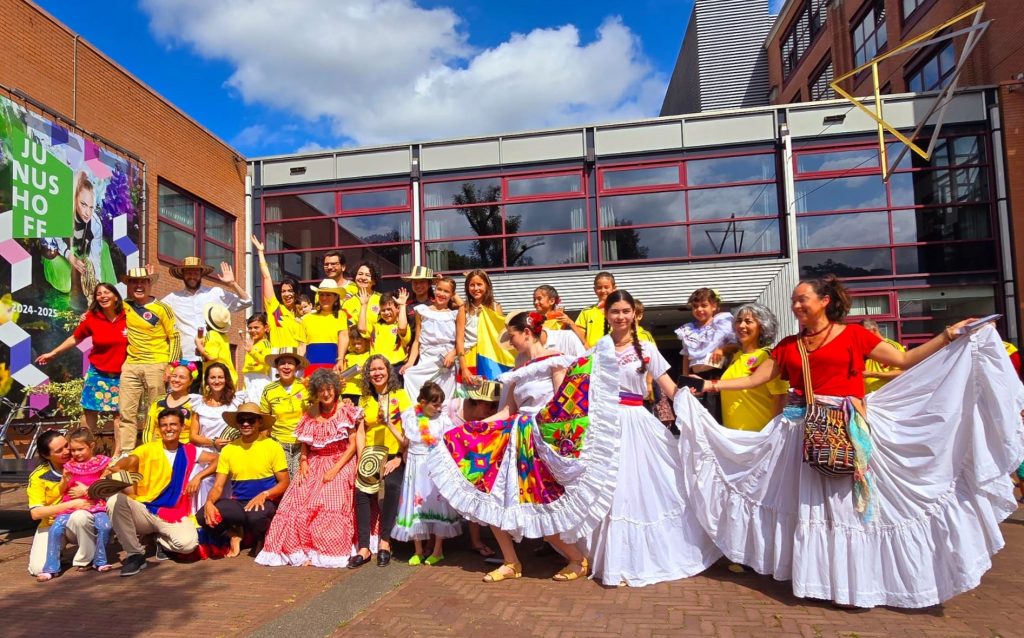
[{"x": 117, "y": 201}]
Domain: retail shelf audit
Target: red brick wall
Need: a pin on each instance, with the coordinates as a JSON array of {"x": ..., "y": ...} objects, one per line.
[
  {"x": 1011, "y": 98},
  {"x": 113, "y": 104}
]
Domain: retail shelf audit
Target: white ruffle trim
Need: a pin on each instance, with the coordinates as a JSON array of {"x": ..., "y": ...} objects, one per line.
[
  {"x": 300, "y": 558},
  {"x": 589, "y": 481},
  {"x": 423, "y": 530},
  {"x": 537, "y": 369}
]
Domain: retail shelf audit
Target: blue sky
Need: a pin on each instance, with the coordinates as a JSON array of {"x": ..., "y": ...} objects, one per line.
[{"x": 274, "y": 77}]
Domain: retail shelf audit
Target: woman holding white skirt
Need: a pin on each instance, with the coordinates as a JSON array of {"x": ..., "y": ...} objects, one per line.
[{"x": 917, "y": 521}]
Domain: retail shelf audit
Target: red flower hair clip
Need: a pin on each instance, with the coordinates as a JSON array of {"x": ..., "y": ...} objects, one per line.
[{"x": 536, "y": 322}]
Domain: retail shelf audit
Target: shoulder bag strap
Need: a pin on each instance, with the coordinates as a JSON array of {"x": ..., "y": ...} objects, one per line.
[{"x": 806, "y": 366}]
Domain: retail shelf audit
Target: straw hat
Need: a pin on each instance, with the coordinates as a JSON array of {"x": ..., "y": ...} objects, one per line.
[
  {"x": 504, "y": 338},
  {"x": 277, "y": 353},
  {"x": 217, "y": 316},
  {"x": 139, "y": 273},
  {"x": 419, "y": 272},
  {"x": 329, "y": 285},
  {"x": 106, "y": 488},
  {"x": 487, "y": 391},
  {"x": 266, "y": 420},
  {"x": 190, "y": 262}
]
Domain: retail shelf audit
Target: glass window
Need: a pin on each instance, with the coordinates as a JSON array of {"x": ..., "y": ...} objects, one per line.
[
  {"x": 563, "y": 214},
  {"x": 177, "y": 207},
  {"x": 801, "y": 32},
  {"x": 870, "y": 305},
  {"x": 935, "y": 72},
  {"x": 175, "y": 242},
  {"x": 734, "y": 201},
  {"x": 955, "y": 151},
  {"x": 303, "y": 265},
  {"x": 941, "y": 224},
  {"x": 866, "y": 158},
  {"x": 381, "y": 228},
  {"x": 465, "y": 255},
  {"x": 839, "y": 231},
  {"x": 733, "y": 238},
  {"x": 215, "y": 254},
  {"x": 722, "y": 170},
  {"x": 391, "y": 261},
  {"x": 644, "y": 243},
  {"x": 546, "y": 250},
  {"x": 938, "y": 258},
  {"x": 312, "y": 233},
  {"x": 944, "y": 306},
  {"x": 523, "y": 187},
  {"x": 924, "y": 188},
  {"x": 219, "y": 227},
  {"x": 632, "y": 178},
  {"x": 910, "y": 6},
  {"x": 848, "y": 193},
  {"x": 846, "y": 263},
  {"x": 470, "y": 191},
  {"x": 298, "y": 206},
  {"x": 187, "y": 226},
  {"x": 396, "y": 198},
  {"x": 647, "y": 208},
  {"x": 820, "y": 87},
  {"x": 462, "y": 222},
  {"x": 869, "y": 34}
]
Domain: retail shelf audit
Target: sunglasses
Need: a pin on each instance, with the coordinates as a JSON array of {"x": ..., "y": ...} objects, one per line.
[{"x": 247, "y": 419}]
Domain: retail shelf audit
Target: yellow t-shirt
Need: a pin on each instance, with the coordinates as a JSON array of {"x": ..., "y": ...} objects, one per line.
[
  {"x": 285, "y": 329},
  {"x": 218, "y": 350},
  {"x": 352, "y": 307},
  {"x": 354, "y": 385},
  {"x": 592, "y": 321},
  {"x": 377, "y": 432},
  {"x": 152, "y": 333},
  {"x": 44, "y": 489},
  {"x": 150, "y": 432},
  {"x": 386, "y": 339},
  {"x": 256, "y": 359},
  {"x": 644, "y": 334},
  {"x": 156, "y": 471},
  {"x": 750, "y": 409},
  {"x": 286, "y": 404},
  {"x": 251, "y": 468},
  {"x": 324, "y": 328},
  {"x": 872, "y": 384}
]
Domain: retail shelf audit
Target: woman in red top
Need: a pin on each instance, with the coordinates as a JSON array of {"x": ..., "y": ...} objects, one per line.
[
  {"x": 917, "y": 523},
  {"x": 105, "y": 323}
]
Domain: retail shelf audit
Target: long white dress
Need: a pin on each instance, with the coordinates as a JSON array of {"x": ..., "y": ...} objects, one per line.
[
  {"x": 946, "y": 434},
  {"x": 437, "y": 337},
  {"x": 421, "y": 510},
  {"x": 651, "y": 533},
  {"x": 211, "y": 425},
  {"x": 512, "y": 475}
]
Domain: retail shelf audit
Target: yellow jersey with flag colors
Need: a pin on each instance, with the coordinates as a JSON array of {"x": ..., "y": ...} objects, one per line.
[
  {"x": 285, "y": 330},
  {"x": 286, "y": 403},
  {"x": 872, "y": 384},
  {"x": 44, "y": 489},
  {"x": 643, "y": 334},
  {"x": 256, "y": 358},
  {"x": 251, "y": 466},
  {"x": 750, "y": 409},
  {"x": 352, "y": 307},
  {"x": 377, "y": 431},
  {"x": 492, "y": 357},
  {"x": 155, "y": 468},
  {"x": 592, "y": 321},
  {"x": 218, "y": 350},
  {"x": 152, "y": 333},
  {"x": 150, "y": 433},
  {"x": 386, "y": 339},
  {"x": 354, "y": 384}
]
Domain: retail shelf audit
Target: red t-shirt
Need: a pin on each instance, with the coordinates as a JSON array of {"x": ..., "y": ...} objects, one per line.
[
  {"x": 109, "y": 341},
  {"x": 837, "y": 368}
]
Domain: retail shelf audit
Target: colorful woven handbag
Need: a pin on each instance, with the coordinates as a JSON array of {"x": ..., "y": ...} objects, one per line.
[{"x": 827, "y": 444}]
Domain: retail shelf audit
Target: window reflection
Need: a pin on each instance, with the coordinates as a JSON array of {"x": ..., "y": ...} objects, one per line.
[
  {"x": 733, "y": 238},
  {"x": 837, "y": 160},
  {"x": 546, "y": 250},
  {"x": 631, "y": 178},
  {"x": 298, "y": 206},
  {"x": 849, "y": 193},
  {"x": 469, "y": 191},
  {"x": 836, "y": 231},
  {"x": 550, "y": 215},
  {"x": 375, "y": 199},
  {"x": 463, "y": 222},
  {"x": 646, "y": 208},
  {"x": 846, "y": 263},
  {"x": 945, "y": 258},
  {"x": 939, "y": 224},
  {"x": 465, "y": 255},
  {"x": 644, "y": 243},
  {"x": 721, "y": 170},
  {"x": 374, "y": 229},
  {"x": 944, "y": 306},
  {"x": 312, "y": 233},
  {"x": 544, "y": 185},
  {"x": 734, "y": 201}
]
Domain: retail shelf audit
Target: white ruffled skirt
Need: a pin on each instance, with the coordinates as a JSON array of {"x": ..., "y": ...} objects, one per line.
[
  {"x": 430, "y": 367},
  {"x": 946, "y": 435},
  {"x": 651, "y": 533}
]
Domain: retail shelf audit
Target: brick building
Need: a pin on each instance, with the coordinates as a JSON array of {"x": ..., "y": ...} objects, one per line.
[{"x": 190, "y": 185}]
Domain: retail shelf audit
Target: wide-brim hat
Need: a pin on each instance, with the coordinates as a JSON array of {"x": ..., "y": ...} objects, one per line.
[
  {"x": 419, "y": 272},
  {"x": 139, "y": 273},
  {"x": 277, "y": 353},
  {"x": 190, "y": 262},
  {"x": 105, "y": 488},
  {"x": 217, "y": 316},
  {"x": 266, "y": 420},
  {"x": 486, "y": 391},
  {"x": 329, "y": 286}
]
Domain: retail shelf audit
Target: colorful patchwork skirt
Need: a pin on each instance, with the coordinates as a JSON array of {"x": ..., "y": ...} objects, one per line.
[{"x": 100, "y": 392}]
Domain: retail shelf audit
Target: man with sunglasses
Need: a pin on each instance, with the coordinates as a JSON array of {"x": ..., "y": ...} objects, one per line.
[
  {"x": 258, "y": 473},
  {"x": 162, "y": 501}
]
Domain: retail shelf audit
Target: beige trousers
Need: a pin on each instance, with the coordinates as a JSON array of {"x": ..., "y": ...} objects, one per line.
[
  {"x": 80, "y": 531},
  {"x": 131, "y": 520},
  {"x": 142, "y": 385}
]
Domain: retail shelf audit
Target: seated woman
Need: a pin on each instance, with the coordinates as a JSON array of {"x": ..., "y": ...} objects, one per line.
[{"x": 44, "y": 503}]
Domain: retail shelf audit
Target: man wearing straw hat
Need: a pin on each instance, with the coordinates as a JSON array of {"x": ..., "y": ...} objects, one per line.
[
  {"x": 190, "y": 302},
  {"x": 153, "y": 346},
  {"x": 162, "y": 503}
]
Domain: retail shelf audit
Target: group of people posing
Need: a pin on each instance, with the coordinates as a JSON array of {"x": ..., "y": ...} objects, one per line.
[{"x": 372, "y": 419}]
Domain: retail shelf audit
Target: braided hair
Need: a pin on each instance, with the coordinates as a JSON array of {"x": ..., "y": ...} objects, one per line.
[{"x": 615, "y": 297}]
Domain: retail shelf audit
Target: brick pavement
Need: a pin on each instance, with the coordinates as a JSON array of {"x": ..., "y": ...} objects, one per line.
[{"x": 451, "y": 601}]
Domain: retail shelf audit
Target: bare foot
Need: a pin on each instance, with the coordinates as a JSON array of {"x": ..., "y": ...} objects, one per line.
[
  {"x": 236, "y": 547},
  {"x": 42, "y": 578}
]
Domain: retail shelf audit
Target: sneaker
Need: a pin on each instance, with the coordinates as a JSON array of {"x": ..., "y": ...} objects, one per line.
[
  {"x": 160, "y": 554},
  {"x": 133, "y": 564}
]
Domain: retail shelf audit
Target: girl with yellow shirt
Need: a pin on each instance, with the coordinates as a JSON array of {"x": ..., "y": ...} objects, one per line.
[
  {"x": 255, "y": 370},
  {"x": 590, "y": 325}
]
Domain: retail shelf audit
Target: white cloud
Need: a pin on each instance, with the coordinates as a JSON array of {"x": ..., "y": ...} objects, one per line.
[
  {"x": 390, "y": 70},
  {"x": 310, "y": 147}
]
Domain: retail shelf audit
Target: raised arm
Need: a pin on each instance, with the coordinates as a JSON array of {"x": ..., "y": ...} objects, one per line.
[
  {"x": 268, "y": 281},
  {"x": 885, "y": 354}
]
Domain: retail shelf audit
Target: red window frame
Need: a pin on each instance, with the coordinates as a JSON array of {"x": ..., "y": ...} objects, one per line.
[
  {"x": 503, "y": 200},
  {"x": 199, "y": 238},
  {"x": 337, "y": 215},
  {"x": 683, "y": 186},
  {"x": 874, "y": 9}
]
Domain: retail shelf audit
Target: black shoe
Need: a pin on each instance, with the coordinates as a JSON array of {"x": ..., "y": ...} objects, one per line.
[
  {"x": 160, "y": 554},
  {"x": 358, "y": 561},
  {"x": 383, "y": 558},
  {"x": 257, "y": 546},
  {"x": 133, "y": 564}
]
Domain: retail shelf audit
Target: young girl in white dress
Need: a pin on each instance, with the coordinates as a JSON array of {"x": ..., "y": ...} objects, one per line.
[
  {"x": 433, "y": 351},
  {"x": 422, "y": 512}
]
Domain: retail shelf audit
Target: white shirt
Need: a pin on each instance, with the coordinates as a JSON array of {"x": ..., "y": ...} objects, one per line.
[{"x": 188, "y": 310}]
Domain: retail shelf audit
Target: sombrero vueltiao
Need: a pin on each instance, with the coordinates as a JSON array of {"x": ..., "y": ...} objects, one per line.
[
  {"x": 190, "y": 262},
  {"x": 105, "y": 488},
  {"x": 419, "y": 272}
]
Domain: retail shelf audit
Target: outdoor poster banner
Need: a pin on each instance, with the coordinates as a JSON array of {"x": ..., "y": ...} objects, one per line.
[{"x": 69, "y": 218}]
